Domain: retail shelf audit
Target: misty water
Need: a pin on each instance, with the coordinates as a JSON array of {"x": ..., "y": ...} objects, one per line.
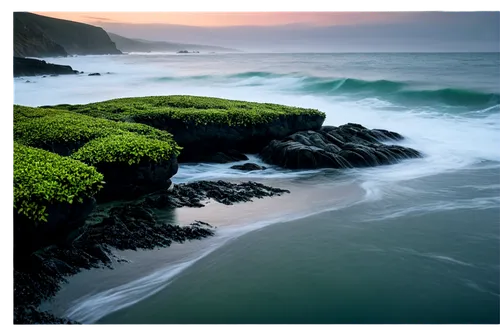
[{"x": 415, "y": 242}]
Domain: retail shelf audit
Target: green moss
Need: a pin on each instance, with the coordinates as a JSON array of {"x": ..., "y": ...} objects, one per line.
[
  {"x": 128, "y": 148},
  {"x": 40, "y": 127},
  {"x": 148, "y": 131},
  {"x": 42, "y": 178},
  {"x": 189, "y": 109},
  {"x": 24, "y": 113}
]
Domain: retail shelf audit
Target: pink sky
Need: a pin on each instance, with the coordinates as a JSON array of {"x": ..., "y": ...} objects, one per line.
[{"x": 231, "y": 19}]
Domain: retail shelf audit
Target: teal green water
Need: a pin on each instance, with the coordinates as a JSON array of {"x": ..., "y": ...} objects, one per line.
[
  {"x": 421, "y": 245},
  {"x": 371, "y": 263}
]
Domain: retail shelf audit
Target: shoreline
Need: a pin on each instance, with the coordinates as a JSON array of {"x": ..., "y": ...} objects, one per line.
[
  {"x": 122, "y": 225},
  {"x": 126, "y": 151},
  {"x": 148, "y": 272}
]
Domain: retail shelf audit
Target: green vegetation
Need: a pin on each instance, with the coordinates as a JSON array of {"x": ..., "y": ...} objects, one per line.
[
  {"x": 24, "y": 113},
  {"x": 42, "y": 178},
  {"x": 188, "y": 109},
  {"x": 128, "y": 148},
  {"x": 111, "y": 132},
  {"x": 39, "y": 127}
]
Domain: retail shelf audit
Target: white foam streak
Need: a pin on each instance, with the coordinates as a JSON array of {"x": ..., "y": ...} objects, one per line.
[
  {"x": 438, "y": 206},
  {"x": 91, "y": 308}
]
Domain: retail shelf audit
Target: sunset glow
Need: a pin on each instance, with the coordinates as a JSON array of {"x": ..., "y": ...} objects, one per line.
[{"x": 213, "y": 19}]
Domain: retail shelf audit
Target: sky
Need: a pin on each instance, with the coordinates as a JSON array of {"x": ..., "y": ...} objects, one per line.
[{"x": 308, "y": 31}]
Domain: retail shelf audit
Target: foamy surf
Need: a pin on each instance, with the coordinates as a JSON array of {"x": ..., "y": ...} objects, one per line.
[{"x": 452, "y": 117}]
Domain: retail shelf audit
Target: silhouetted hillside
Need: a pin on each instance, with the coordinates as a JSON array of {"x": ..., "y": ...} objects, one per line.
[
  {"x": 140, "y": 45},
  {"x": 41, "y": 36}
]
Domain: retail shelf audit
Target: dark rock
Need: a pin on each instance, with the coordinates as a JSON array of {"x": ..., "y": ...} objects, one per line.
[
  {"x": 124, "y": 181},
  {"x": 227, "y": 156},
  {"x": 346, "y": 146},
  {"x": 193, "y": 194},
  {"x": 63, "y": 219},
  {"x": 126, "y": 226},
  {"x": 201, "y": 142},
  {"x": 186, "y": 51},
  {"x": 248, "y": 167},
  {"x": 32, "y": 67},
  {"x": 95, "y": 74}
]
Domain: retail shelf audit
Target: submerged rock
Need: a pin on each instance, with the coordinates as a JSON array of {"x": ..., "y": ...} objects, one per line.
[
  {"x": 95, "y": 74},
  {"x": 346, "y": 146},
  {"x": 248, "y": 167}
]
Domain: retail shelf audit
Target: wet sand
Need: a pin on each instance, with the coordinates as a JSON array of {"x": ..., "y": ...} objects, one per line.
[{"x": 92, "y": 294}]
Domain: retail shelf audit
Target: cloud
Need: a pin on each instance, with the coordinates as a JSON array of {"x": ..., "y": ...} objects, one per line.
[{"x": 98, "y": 18}]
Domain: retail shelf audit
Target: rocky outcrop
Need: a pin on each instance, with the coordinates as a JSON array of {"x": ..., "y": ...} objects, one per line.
[
  {"x": 63, "y": 219},
  {"x": 33, "y": 67},
  {"x": 347, "y": 146},
  {"x": 41, "y": 36},
  {"x": 204, "y": 140},
  {"x": 124, "y": 181},
  {"x": 193, "y": 194}
]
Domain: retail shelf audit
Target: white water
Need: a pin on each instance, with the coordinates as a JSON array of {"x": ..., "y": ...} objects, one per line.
[{"x": 450, "y": 142}]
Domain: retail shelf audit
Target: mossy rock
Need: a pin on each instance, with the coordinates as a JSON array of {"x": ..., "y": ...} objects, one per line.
[
  {"x": 132, "y": 164},
  {"x": 64, "y": 132},
  {"x": 135, "y": 157},
  {"x": 42, "y": 178},
  {"x": 193, "y": 110},
  {"x": 52, "y": 194},
  {"x": 204, "y": 125},
  {"x": 23, "y": 113}
]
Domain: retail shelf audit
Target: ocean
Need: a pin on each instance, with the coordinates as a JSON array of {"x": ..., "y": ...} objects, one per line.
[{"x": 415, "y": 242}]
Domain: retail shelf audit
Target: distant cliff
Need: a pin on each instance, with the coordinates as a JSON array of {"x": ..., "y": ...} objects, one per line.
[
  {"x": 141, "y": 45},
  {"x": 41, "y": 36}
]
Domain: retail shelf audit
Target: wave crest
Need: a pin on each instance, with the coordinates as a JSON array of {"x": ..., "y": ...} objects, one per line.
[{"x": 394, "y": 91}]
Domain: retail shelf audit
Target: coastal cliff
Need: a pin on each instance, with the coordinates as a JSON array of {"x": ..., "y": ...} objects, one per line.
[{"x": 41, "y": 36}]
